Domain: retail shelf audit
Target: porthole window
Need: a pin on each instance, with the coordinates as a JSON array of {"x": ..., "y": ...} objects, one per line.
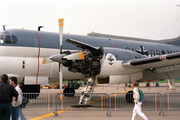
[
  {"x": 152, "y": 53},
  {"x": 127, "y": 48},
  {"x": 157, "y": 52},
  {"x": 163, "y": 52}
]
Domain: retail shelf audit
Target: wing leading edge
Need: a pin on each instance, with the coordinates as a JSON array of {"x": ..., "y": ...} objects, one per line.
[{"x": 154, "y": 62}]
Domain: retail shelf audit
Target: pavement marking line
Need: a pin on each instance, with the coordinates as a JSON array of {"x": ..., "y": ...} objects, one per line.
[{"x": 47, "y": 115}]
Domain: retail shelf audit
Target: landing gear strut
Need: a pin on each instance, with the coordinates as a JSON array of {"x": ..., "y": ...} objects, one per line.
[{"x": 87, "y": 92}]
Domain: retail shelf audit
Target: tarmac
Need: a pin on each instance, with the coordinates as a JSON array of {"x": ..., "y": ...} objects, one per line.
[{"x": 115, "y": 115}]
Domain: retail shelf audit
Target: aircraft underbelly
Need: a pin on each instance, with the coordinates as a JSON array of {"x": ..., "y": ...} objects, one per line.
[{"x": 115, "y": 69}]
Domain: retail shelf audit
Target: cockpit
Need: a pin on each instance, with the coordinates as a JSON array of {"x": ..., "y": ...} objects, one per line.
[{"x": 6, "y": 38}]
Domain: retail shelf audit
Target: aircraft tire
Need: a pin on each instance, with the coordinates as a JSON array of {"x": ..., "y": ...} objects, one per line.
[
  {"x": 157, "y": 84},
  {"x": 65, "y": 91},
  {"x": 71, "y": 92},
  {"x": 147, "y": 85},
  {"x": 129, "y": 97}
]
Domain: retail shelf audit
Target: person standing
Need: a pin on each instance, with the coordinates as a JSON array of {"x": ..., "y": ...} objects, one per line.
[
  {"x": 138, "y": 102},
  {"x": 7, "y": 91},
  {"x": 17, "y": 101}
]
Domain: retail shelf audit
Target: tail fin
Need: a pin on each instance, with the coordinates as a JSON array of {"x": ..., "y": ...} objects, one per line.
[{"x": 174, "y": 41}]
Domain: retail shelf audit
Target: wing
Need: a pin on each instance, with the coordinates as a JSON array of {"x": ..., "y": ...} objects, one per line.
[
  {"x": 154, "y": 62},
  {"x": 81, "y": 44}
]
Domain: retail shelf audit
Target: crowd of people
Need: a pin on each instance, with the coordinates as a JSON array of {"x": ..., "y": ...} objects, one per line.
[{"x": 10, "y": 99}]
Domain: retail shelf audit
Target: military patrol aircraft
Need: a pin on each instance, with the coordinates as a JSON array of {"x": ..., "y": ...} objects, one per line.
[{"x": 106, "y": 58}]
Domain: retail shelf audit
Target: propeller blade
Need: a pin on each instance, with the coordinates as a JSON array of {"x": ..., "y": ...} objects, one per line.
[
  {"x": 61, "y": 23},
  {"x": 46, "y": 60}
]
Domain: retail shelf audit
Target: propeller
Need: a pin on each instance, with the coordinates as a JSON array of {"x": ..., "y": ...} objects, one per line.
[{"x": 61, "y": 23}]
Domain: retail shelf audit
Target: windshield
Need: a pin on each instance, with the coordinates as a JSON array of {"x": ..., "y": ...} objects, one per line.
[
  {"x": 1, "y": 38},
  {"x": 8, "y": 39}
]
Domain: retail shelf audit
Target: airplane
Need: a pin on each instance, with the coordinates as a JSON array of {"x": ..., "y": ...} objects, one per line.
[{"x": 35, "y": 56}]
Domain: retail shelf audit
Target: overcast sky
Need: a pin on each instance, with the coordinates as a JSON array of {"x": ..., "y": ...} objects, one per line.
[{"x": 152, "y": 19}]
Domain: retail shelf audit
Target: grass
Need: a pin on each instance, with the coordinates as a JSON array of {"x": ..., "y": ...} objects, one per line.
[
  {"x": 165, "y": 81},
  {"x": 177, "y": 80}
]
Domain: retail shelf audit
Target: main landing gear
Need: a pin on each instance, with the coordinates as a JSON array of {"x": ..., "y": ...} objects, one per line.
[
  {"x": 69, "y": 90},
  {"x": 87, "y": 91},
  {"x": 129, "y": 97},
  {"x": 148, "y": 84}
]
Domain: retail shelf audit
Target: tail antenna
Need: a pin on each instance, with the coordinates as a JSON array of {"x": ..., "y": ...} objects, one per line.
[{"x": 4, "y": 27}]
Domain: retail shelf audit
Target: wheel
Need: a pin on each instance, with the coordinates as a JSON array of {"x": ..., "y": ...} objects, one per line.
[
  {"x": 56, "y": 114},
  {"x": 65, "y": 91},
  {"x": 71, "y": 92},
  {"x": 147, "y": 85},
  {"x": 129, "y": 97},
  {"x": 76, "y": 85},
  {"x": 157, "y": 84}
]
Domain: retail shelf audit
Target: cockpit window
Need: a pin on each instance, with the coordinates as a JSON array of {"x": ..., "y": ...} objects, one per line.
[
  {"x": 14, "y": 39},
  {"x": 7, "y": 39},
  {"x": 1, "y": 38}
]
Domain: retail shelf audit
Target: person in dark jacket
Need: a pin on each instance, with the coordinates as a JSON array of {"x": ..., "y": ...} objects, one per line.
[{"x": 7, "y": 91}]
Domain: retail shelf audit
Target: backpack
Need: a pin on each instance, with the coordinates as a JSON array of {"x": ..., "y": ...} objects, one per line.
[
  {"x": 25, "y": 101},
  {"x": 141, "y": 95}
]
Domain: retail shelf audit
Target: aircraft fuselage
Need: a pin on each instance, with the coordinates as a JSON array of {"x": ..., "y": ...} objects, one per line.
[{"x": 22, "y": 52}]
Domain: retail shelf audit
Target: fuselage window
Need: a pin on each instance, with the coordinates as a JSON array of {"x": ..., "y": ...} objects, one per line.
[
  {"x": 152, "y": 53},
  {"x": 7, "y": 39},
  {"x": 163, "y": 52},
  {"x": 14, "y": 39},
  {"x": 1, "y": 38},
  {"x": 157, "y": 52},
  {"x": 127, "y": 48}
]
